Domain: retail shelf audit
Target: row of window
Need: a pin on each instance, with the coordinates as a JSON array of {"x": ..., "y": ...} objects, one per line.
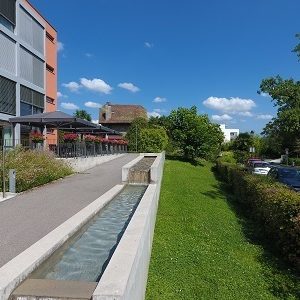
[{"x": 32, "y": 102}]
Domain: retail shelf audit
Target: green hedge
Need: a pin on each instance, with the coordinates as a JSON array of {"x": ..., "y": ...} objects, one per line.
[
  {"x": 33, "y": 168},
  {"x": 273, "y": 205}
]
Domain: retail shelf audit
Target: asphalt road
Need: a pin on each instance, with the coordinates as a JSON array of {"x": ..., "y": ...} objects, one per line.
[{"x": 30, "y": 216}]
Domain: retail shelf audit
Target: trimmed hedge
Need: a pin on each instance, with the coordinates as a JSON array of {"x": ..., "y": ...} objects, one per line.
[
  {"x": 273, "y": 205},
  {"x": 33, "y": 168}
]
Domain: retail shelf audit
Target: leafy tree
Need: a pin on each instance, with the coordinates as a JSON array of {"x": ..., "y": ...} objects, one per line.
[
  {"x": 82, "y": 114},
  {"x": 194, "y": 134},
  {"x": 153, "y": 139},
  {"x": 297, "y": 48},
  {"x": 133, "y": 135},
  {"x": 241, "y": 146},
  {"x": 286, "y": 96}
]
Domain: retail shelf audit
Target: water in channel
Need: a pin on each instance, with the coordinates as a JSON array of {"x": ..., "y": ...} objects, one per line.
[{"x": 85, "y": 257}]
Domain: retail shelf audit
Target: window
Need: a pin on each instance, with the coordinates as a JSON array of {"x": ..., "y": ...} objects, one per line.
[
  {"x": 7, "y": 96},
  {"x": 31, "y": 68},
  {"x": 50, "y": 100},
  {"x": 32, "y": 102},
  {"x": 49, "y": 68},
  {"x": 31, "y": 31},
  {"x": 50, "y": 37},
  {"x": 6, "y": 23},
  {"x": 8, "y": 12}
]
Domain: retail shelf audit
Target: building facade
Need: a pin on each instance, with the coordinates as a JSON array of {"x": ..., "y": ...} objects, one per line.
[
  {"x": 229, "y": 134},
  {"x": 28, "y": 65},
  {"x": 119, "y": 117}
]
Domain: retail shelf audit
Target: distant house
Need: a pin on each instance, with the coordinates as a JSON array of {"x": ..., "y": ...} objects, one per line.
[
  {"x": 229, "y": 134},
  {"x": 119, "y": 117}
]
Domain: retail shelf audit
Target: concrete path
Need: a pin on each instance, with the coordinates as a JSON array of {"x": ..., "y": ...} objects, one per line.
[{"x": 28, "y": 217}]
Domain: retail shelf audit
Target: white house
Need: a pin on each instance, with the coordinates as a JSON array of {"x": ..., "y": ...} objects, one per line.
[{"x": 230, "y": 134}]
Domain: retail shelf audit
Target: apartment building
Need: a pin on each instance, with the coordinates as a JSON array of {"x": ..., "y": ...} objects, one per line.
[
  {"x": 28, "y": 65},
  {"x": 229, "y": 134}
]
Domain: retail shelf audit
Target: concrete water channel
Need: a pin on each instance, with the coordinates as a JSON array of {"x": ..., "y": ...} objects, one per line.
[{"x": 75, "y": 269}]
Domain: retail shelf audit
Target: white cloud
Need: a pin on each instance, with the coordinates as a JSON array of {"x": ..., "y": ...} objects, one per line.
[
  {"x": 61, "y": 95},
  {"x": 95, "y": 121},
  {"x": 231, "y": 105},
  {"x": 129, "y": 86},
  {"x": 88, "y": 55},
  {"x": 265, "y": 95},
  {"x": 246, "y": 114},
  {"x": 221, "y": 118},
  {"x": 60, "y": 46},
  {"x": 96, "y": 84},
  {"x": 159, "y": 100},
  {"x": 148, "y": 45},
  {"x": 69, "y": 105},
  {"x": 153, "y": 114},
  {"x": 92, "y": 104},
  {"x": 264, "y": 117},
  {"x": 72, "y": 86},
  {"x": 159, "y": 110}
]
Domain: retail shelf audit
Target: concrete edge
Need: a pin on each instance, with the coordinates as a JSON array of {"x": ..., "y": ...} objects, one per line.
[
  {"x": 125, "y": 277},
  {"x": 81, "y": 164},
  {"x": 126, "y": 168},
  {"x": 16, "y": 270}
]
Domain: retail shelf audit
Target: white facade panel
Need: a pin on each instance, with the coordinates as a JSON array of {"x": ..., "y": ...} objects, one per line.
[{"x": 7, "y": 54}]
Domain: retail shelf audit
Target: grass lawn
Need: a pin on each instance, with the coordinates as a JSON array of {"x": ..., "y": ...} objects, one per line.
[{"x": 204, "y": 249}]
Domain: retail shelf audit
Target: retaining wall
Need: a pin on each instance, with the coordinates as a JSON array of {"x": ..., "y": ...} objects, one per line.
[
  {"x": 125, "y": 277},
  {"x": 82, "y": 164}
]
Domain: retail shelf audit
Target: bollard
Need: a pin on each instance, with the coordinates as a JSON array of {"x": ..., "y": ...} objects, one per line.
[{"x": 12, "y": 181}]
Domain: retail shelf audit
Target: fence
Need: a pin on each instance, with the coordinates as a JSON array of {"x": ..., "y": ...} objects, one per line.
[{"x": 68, "y": 149}]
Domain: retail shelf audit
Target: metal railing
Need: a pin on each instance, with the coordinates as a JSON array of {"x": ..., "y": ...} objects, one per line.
[{"x": 67, "y": 149}]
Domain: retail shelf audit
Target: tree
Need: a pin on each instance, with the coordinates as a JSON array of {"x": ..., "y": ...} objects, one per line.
[
  {"x": 241, "y": 146},
  {"x": 153, "y": 140},
  {"x": 286, "y": 96},
  {"x": 297, "y": 48},
  {"x": 194, "y": 134},
  {"x": 133, "y": 135},
  {"x": 83, "y": 114}
]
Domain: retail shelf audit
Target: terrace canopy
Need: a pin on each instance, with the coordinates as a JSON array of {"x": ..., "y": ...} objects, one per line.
[{"x": 60, "y": 120}]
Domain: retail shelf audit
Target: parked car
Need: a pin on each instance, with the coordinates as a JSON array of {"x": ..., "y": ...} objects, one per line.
[
  {"x": 286, "y": 175},
  {"x": 260, "y": 168}
]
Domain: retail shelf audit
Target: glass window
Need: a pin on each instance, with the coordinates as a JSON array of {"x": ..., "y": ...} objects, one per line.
[
  {"x": 6, "y": 24},
  {"x": 26, "y": 109}
]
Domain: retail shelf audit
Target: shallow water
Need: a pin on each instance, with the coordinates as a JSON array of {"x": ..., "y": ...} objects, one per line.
[{"x": 84, "y": 258}]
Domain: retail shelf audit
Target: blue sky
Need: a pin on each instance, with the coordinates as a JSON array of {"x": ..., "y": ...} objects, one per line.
[{"x": 212, "y": 54}]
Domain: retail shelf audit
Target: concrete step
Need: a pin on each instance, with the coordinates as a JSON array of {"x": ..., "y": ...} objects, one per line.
[{"x": 37, "y": 289}]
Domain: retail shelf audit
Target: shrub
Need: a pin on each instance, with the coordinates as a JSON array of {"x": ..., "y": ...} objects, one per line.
[
  {"x": 34, "y": 168},
  {"x": 153, "y": 139},
  {"x": 228, "y": 157},
  {"x": 273, "y": 205}
]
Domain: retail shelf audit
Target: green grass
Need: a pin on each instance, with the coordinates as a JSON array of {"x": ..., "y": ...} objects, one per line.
[{"x": 204, "y": 249}]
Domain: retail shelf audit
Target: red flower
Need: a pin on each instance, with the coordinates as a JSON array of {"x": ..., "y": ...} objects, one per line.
[
  {"x": 70, "y": 137},
  {"x": 36, "y": 137}
]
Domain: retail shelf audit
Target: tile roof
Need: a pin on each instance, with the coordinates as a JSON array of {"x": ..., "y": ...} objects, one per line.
[{"x": 123, "y": 114}]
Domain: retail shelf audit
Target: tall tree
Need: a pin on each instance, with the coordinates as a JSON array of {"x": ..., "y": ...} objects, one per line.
[
  {"x": 194, "y": 134},
  {"x": 83, "y": 114},
  {"x": 285, "y": 95}
]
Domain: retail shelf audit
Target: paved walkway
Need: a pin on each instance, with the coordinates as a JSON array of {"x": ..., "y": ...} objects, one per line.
[{"x": 28, "y": 217}]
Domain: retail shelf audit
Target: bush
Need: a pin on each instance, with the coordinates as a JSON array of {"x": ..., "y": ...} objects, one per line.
[
  {"x": 273, "y": 205},
  {"x": 153, "y": 140},
  {"x": 34, "y": 168},
  {"x": 227, "y": 157}
]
